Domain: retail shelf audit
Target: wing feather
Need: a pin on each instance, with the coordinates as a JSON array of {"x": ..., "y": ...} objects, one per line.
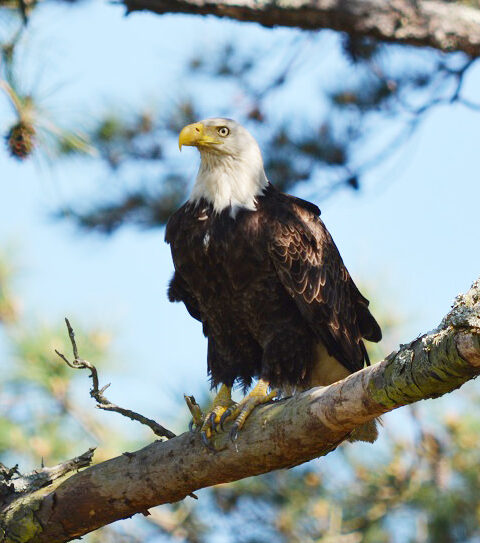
[{"x": 311, "y": 269}]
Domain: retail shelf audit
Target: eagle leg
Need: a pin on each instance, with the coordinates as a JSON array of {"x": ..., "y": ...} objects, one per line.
[
  {"x": 210, "y": 422},
  {"x": 241, "y": 411}
]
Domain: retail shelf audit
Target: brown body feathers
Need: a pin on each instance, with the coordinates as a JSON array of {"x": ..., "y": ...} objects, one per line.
[{"x": 269, "y": 287}]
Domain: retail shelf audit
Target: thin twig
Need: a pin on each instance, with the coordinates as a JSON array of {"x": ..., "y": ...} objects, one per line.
[
  {"x": 98, "y": 393},
  {"x": 460, "y": 75},
  {"x": 102, "y": 402},
  {"x": 467, "y": 103}
]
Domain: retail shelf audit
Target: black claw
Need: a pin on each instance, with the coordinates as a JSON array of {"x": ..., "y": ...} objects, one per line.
[
  {"x": 206, "y": 442},
  {"x": 211, "y": 420},
  {"x": 225, "y": 415},
  {"x": 234, "y": 432},
  {"x": 191, "y": 426}
]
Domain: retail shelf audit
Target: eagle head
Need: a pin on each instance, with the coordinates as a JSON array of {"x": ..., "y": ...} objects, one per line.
[{"x": 231, "y": 173}]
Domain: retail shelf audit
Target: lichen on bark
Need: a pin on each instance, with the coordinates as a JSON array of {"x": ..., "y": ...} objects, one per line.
[{"x": 19, "y": 523}]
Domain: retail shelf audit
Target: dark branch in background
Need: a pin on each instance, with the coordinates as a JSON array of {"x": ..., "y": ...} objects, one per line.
[
  {"x": 446, "y": 77},
  {"x": 98, "y": 393},
  {"x": 326, "y": 154},
  {"x": 447, "y": 26},
  {"x": 318, "y": 157},
  {"x": 315, "y": 156}
]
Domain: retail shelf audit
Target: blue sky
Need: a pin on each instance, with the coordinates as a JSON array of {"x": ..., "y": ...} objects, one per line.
[{"x": 414, "y": 241}]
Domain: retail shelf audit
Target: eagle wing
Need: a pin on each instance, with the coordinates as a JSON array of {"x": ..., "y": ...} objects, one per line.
[
  {"x": 178, "y": 289},
  {"x": 311, "y": 269}
]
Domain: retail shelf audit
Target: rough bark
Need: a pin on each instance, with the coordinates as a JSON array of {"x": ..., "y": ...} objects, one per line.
[
  {"x": 278, "y": 435},
  {"x": 444, "y": 25}
]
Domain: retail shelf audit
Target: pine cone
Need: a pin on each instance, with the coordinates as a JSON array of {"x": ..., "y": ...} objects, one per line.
[{"x": 21, "y": 140}]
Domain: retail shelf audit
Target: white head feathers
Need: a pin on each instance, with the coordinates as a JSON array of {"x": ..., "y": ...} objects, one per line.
[{"x": 231, "y": 170}]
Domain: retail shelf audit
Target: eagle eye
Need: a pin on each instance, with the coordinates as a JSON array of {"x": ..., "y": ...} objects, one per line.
[{"x": 223, "y": 131}]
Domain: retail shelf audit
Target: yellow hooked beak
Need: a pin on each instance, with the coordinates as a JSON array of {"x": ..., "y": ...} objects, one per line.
[{"x": 198, "y": 135}]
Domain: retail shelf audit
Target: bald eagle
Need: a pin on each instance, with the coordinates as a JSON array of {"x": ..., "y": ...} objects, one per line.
[{"x": 261, "y": 272}]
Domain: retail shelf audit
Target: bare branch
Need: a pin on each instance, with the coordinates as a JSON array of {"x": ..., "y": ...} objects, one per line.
[
  {"x": 14, "y": 484},
  {"x": 448, "y": 26},
  {"x": 279, "y": 435},
  {"x": 98, "y": 394}
]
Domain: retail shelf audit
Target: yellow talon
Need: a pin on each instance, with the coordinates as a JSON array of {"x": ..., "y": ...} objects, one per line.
[
  {"x": 224, "y": 409},
  {"x": 208, "y": 423},
  {"x": 258, "y": 396}
]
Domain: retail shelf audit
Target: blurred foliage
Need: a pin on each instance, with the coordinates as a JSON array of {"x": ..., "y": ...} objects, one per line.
[
  {"x": 32, "y": 127},
  {"x": 353, "y": 126},
  {"x": 422, "y": 487},
  {"x": 42, "y": 419},
  {"x": 39, "y": 419},
  {"x": 315, "y": 156}
]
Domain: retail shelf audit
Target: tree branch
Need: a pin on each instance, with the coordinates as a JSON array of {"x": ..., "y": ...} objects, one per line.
[
  {"x": 279, "y": 435},
  {"x": 444, "y": 25},
  {"x": 20, "y": 493},
  {"x": 98, "y": 393},
  {"x": 22, "y": 484}
]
